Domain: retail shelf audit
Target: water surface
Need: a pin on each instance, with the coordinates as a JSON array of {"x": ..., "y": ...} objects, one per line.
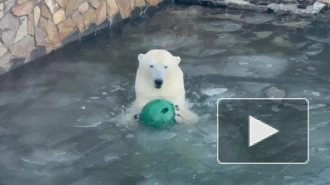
[{"x": 61, "y": 117}]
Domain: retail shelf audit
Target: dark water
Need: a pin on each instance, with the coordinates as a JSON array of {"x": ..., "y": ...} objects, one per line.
[{"x": 61, "y": 118}]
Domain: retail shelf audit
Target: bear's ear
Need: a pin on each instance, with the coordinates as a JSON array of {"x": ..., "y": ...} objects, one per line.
[
  {"x": 140, "y": 57},
  {"x": 177, "y": 59}
]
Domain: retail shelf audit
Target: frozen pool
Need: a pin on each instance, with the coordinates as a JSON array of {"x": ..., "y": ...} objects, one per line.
[{"x": 61, "y": 117}]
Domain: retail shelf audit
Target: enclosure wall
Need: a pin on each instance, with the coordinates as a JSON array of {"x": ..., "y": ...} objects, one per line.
[{"x": 30, "y": 29}]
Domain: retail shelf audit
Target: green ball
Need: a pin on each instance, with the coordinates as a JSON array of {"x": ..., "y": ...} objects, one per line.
[{"x": 158, "y": 113}]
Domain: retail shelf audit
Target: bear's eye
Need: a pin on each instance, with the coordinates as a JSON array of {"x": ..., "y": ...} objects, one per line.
[
  {"x": 165, "y": 66},
  {"x": 151, "y": 66}
]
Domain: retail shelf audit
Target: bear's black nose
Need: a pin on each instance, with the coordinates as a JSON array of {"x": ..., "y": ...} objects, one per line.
[{"x": 158, "y": 83}]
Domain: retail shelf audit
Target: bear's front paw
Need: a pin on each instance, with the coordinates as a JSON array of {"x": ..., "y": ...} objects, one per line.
[
  {"x": 178, "y": 114},
  {"x": 137, "y": 117}
]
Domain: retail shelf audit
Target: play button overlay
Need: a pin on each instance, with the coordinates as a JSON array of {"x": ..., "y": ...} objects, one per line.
[
  {"x": 263, "y": 131},
  {"x": 259, "y": 131}
]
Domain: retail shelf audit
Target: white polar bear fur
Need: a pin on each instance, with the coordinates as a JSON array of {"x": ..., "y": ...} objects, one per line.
[{"x": 160, "y": 64}]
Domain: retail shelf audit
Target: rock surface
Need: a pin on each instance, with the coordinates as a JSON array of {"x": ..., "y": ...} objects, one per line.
[
  {"x": 44, "y": 11},
  {"x": 66, "y": 28},
  {"x": 112, "y": 8},
  {"x": 124, "y": 8},
  {"x": 5, "y": 62},
  {"x": 53, "y": 34},
  {"x": 9, "y": 24},
  {"x": 140, "y": 3},
  {"x": 40, "y": 36},
  {"x": 23, "y": 47},
  {"x": 3, "y": 49},
  {"x": 94, "y": 3},
  {"x": 83, "y": 7},
  {"x": 78, "y": 19},
  {"x": 2, "y": 8},
  {"x": 22, "y": 29},
  {"x": 59, "y": 16},
  {"x": 23, "y": 9},
  {"x": 153, "y": 2},
  {"x": 36, "y": 13},
  {"x": 62, "y": 3},
  {"x": 52, "y": 5},
  {"x": 72, "y": 6},
  {"x": 21, "y": 1},
  {"x": 89, "y": 17},
  {"x": 101, "y": 13},
  {"x": 30, "y": 26}
]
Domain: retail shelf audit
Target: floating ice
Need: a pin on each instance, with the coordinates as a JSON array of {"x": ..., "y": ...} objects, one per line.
[
  {"x": 257, "y": 66},
  {"x": 210, "y": 52},
  {"x": 316, "y": 106},
  {"x": 274, "y": 92},
  {"x": 259, "y": 18},
  {"x": 314, "y": 49},
  {"x": 53, "y": 157},
  {"x": 129, "y": 136},
  {"x": 220, "y": 26},
  {"x": 316, "y": 94},
  {"x": 228, "y": 40},
  {"x": 168, "y": 40},
  {"x": 263, "y": 34},
  {"x": 111, "y": 157},
  {"x": 214, "y": 91}
]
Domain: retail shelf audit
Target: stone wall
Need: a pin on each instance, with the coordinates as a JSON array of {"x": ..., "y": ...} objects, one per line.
[{"x": 30, "y": 29}]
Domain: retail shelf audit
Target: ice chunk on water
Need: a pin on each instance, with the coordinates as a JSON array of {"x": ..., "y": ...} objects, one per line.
[
  {"x": 189, "y": 12},
  {"x": 193, "y": 51},
  {"x": 92, "y": 117},
  {"x": 53, "y": 157},
  {"x": 317, "y": 34},
  {"x": 153, "y": 141},
  {"x": 162, "y": 181},
  {"x": 282, "y": 42},
  {"x": 253, "y": 88},
  {"x": 167, "y": 40},
  {"x": 316, "y": 106},
  {"x": 274, "y": 92},
  {"x": 263, "y": 34},
  {"x": 219, "y": 26},
  {"x": 57, "y": 100},
  {"x": 314, "y": 49},
  {"x": 259, "y": 18},
  {"x": 228, "y": 40},
  {"x": 213, "y": 91},
  {"x": 320, "y": 179},
  {"x": 210, "y": 52},
  {"x": 111, "y": 157},
  {"x": 129, "y": 136},
  {"x": 258, "y": 66},
  {"x": 154, "y": 181}
]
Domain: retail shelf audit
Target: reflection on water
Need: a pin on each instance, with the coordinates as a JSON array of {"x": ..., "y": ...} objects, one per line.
[{"x": 61, "y": 121}]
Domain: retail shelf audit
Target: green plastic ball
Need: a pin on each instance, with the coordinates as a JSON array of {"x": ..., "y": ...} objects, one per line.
[{"x": 158, "y": 113}]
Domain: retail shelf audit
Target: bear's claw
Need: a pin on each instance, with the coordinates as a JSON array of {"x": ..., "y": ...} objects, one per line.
[
  {"x": 137, "y": 116},
  {"x": 178, "y": 118}
]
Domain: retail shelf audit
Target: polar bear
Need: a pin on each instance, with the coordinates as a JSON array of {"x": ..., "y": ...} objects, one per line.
[{"x": 159, "y": 76}]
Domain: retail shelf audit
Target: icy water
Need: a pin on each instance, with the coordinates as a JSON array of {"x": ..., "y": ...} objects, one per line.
[{"x": 61, "y": 117}]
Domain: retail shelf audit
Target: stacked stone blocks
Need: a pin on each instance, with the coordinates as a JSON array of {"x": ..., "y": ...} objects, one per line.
[{"x": 30, "y": 29}]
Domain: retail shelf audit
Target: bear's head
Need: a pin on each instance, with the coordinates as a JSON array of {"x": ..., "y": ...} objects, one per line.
[{"x": 159, "y": 65}]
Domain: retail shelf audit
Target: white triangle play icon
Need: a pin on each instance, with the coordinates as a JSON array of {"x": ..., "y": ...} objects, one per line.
[{"x": 259, "y": 131}]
